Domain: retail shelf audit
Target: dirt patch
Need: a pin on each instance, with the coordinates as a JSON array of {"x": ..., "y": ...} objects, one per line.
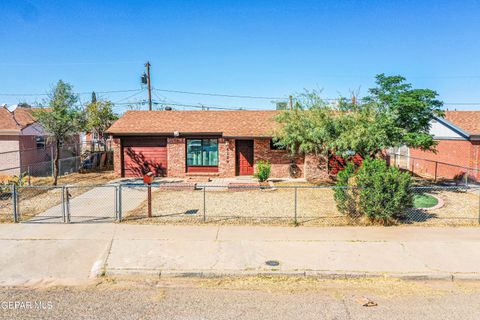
[
  {"x": 385, "y": 287},
  {"x": 43, "y": 196},
  {"x": 90, "y": 177}
]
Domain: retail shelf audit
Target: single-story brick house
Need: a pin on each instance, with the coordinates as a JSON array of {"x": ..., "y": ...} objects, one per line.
[
  {"x": 178, "y": 143},
  {"x": 458, "y": 136}
]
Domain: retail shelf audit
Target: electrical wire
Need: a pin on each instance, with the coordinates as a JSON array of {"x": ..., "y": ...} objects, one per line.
[
  {"x": 78, "y": 93},
  {"x": 221, "y": 95}
]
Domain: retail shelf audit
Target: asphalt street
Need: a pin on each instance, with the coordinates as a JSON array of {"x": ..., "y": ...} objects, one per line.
[{"x": 245, "y": 299}]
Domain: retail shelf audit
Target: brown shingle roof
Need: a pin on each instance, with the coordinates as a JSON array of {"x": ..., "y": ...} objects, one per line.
[
  {"x": 241, "y": 123},
  {"x": 17, "y": 120},
  {"x": 468, "y": 121},
  {"x": 7, "y": 123}
]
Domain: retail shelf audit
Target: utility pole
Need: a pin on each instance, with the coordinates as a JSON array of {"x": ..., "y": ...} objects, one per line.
[
  {"x": 147, "y": 65},
  {"x": 290, "y": 102}
]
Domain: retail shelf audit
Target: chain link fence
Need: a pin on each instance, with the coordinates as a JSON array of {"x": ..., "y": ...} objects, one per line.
[
  {"x": 38, "y": 162},
  {"x": 435, "y": 171},
  {"x": 223, "y": 204},
  {"x": 284, "y": 205}
]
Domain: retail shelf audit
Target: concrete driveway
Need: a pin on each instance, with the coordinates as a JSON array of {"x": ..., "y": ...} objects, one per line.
[{"x": 94, "y": 205}]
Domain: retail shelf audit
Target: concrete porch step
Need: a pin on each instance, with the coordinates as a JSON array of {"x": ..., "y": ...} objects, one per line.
[{"x": 195, "y": 179}]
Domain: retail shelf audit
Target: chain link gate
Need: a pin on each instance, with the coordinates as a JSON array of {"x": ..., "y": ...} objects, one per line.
[
  {"x": 65, "y": 204},
  {"x": 87, "y": 204}
]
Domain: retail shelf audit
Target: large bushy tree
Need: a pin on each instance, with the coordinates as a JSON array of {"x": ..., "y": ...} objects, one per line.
[
  {"x": 394, "y": 114},
  {"x": 62, "y": 119},
  {"x": 310, "y": 128},
  {"x": 408, "y": 111}
]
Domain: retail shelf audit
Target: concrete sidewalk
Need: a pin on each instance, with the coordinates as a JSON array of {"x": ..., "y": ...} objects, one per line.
[
  {"x": 344, "y": 251},
  {"x": 77, "y": 252}
]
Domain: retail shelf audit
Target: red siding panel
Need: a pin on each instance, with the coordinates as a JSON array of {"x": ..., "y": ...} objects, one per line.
[{"x": 142, "y": 155}]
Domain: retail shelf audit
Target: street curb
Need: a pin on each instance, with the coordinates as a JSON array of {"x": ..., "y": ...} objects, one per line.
[
  {"x": 333, "y": 275},
  {"x": 99, "y": 268}
]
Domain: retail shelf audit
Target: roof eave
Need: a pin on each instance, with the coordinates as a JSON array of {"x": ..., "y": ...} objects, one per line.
[
  {"x": 475, "y": 137},
  {"x": 173, "y": 133},
  {"x": 453, "y": 127},
  {"x": 10, "y": 132}
]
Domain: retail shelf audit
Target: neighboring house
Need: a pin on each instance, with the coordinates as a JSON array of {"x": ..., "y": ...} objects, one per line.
[
  {"x": 22, "y": 140},
  {"x": 93, "y": 141},
  {"x": 203, "y": 143},
  {"x": 458, "y": 136},
  {"x": 23, "y": 143}
]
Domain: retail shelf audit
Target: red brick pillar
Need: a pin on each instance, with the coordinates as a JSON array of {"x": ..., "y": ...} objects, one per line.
[{"x": 117, "y": 157}]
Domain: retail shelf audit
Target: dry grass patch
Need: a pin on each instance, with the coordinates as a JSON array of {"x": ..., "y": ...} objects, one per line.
[
  {"x": 385, "y": 287},
  {"x": 78, "y": 178}
]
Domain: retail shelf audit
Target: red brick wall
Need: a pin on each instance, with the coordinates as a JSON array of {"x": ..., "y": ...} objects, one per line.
[
  {"x": 226, "y": 157},
  {"x": 455, "y": 152},
  {"x": 176, "y": 157},
  {"x": 117, "y": 157},
  {"x": 280, "y": 160}
]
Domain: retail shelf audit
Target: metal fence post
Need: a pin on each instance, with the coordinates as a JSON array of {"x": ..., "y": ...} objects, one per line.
[
  {"x": 15, "y": 203},
  {"x": 204, "y": 204},
  {"x": 478, "y": 192},
  {"x": 295, "y": 210},
  {"x": 64, "y": 213},
  {"x": 115, "y": 202},
  {"x": 119, "y": 203},
  {"x": 67, "y": 204}
]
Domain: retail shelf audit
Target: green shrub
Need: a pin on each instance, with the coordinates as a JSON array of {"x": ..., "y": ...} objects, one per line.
[
  {"x": 375, "y": 191},
  {"x": 345, "y": 197},
  {"x": 385, "y": 193},
  {"x": 263, "y": 170}
]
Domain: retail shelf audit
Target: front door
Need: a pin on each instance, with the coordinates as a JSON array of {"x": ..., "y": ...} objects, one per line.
[{"x": 244, "y": 157}]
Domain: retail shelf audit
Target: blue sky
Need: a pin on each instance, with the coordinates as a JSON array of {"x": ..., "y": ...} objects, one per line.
[{"x": 261, "y": 48}]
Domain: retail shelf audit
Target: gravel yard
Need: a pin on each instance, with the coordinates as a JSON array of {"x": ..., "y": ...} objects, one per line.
[
  {"x": 460, "y": 208},
  {"x": 315, "y": 206}
]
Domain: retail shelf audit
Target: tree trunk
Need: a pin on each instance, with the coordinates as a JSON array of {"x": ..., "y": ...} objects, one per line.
[
  {"x": 105, "y": 145},
  {"x": 55, "y": 162}
]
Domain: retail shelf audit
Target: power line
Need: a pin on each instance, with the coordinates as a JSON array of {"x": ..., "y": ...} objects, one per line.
[
  {"x": 138, "y": 91},
  {"x": 222, "y": 95},
  {"x": 67, "y": 63},
  {"x": 166, "y": 103},
  {"x": 79, "y": 93},
  {"x": 463, "y": 103},
  {"x": 196, "y": 106},
  {"x": 130, "y": 96}
]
